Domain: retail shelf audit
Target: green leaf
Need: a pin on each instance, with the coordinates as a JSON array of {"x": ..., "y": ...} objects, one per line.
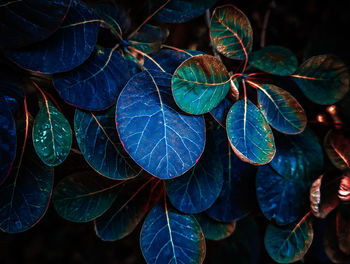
[
  {"x": 215, "y": 230},
  {"x": 324, "y": 79},
  {"x": 249, "y": 133},
  {"x": 52, "y": 135},
  {"x": 231, "y": 32},
  {"x": 274, "y": 59},
  {"x": 200, "y": 83}
]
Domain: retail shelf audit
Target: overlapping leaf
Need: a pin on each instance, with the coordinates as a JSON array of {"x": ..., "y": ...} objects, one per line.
[
  {"x": 337, "y": 147},
  {"x": 163, "y": 141},
  {"x": 220, "y": 112},
  {"x": 214, "y": 230}
]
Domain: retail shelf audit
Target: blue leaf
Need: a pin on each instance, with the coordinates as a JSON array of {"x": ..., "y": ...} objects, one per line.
[
  {"x": 170, "y": 237},
  {"x": 66, "y": 49},
  {"x": 11, "y": 89},
  {"x": 99, "y": 143},
  {"x": 220, "y": 112},
  {"x": 162, "y": 140},
  {"x": 96, "y": 84},
  {"x": 23, "y": 23}
]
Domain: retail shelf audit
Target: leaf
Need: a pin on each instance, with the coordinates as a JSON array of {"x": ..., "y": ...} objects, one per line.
[
  {"x": 274, "y": 59},
  {"x": 25, "y": 194},
  {"x": 100, "y": 145},
  {"x": 220, "y": 112},
  {"x": 84, "y": 196},
  {"x": 66, "y": 49},
  {"x": 237, "y": 196},
  {"x": 250, "y": 135},
  {"x": 131, "y": 205},
  {"x": 198, "y": 188},
  {"x": 180, "y": 11},
  {"x": 281, "y": 109},
  {"x": 344, "y": 187},
  {"x": 231, "y": 32},
  {"x": 337, "y": 146},
  {"x": 7, "y": 139},
  {"x": 289, "y": 244},
  {"x": 101, "y": 77},
  {"x": 163, "y": 141},
  {"x": 324, "y": 79},
  {"x": 214, "y": 230},
  {"x": 11, "y": 89},
  {"x": 23, "y": 23},
  {"x": 170, "y": 237},
  {"x": 200, "y": 83},
  {"x": 52, "y": 135}
]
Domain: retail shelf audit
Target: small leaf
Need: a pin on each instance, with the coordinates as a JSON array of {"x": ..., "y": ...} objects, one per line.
[
  {"x": 52, "y": 135},
  {"x": 324, "y": 79},
  {"x": 66, "y": 49},
  {"x": 84, "y": 196},
  {"x": 163, "y": 141},
  {"x": 214, "y": 230},
  {"x": 344, "y": 187},
  {"x": 274, "y": 59},
  {"x": 200, "y": 83},
  {"x": 96, "y": 84},
  {"x": 231, "y": 32},
  {"x": 289, "y": 244},
  {"x": 281, "y": 109},
  {"x": 250, "y": 135},
  {"x": 170, "y": 237},
  {"x": 337, "y": 147},
  {"x": 135, "y": 199},
  {"x": 99, "y": 143}
]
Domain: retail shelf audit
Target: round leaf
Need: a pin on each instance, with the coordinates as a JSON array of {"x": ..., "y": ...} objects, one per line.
[{"x": 214, "y": 230}]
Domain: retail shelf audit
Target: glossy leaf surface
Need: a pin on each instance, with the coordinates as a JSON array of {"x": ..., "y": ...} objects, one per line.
[
  {"x": 23, "y": 23},
  {"x": 289, "y": 244},
  {"x": 337, "y": 147},
  {"x": 281, "y": 109},
  {"x": 170, "y": 237},
  {"x": 274, "y": 59},
  {"x": 163, "y": 141},
  {"x": 324, "y": 79},
  {"x": 214, "y": 230},
  {"x": 200, "y": 83},
  {"x": 249, "y": 133},
  {"x": 83, "y": 196},
  {"x": 96, "y": 84},
  {"x": 133, "y": 201},
  {"x": 52, "y": 135},
  {"x": 66, "y": 49},
  {"x": 231, "y": 32}
]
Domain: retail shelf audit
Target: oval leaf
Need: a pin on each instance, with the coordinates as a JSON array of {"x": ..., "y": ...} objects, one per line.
[
  {"x": 249, "y": 133},
  {"x": 324, "y": 79},
  {"x": 274, "y": 59},
  {"x": 200, "y": 83},
  {"x": 214, "y": 230},
  {"x": 66, "y": 49},
  {"x": 170, "y": 237},
  {"x": 231, "y": 32},
  {"x": 337, "y": 147},
  {"x": 161, "y": 140}
]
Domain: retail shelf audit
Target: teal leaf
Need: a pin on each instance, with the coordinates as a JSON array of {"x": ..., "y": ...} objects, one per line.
[
  {"x": 249, "y": 133},
  {"x": 215, "y": 230},
  {"x": 231, "y": 32},
  {"x": 200, "y": 83},
  {"x": 324, "y": 79},
  {"x": 52, "y": 135},
  {"x": 274, "y": 59}
]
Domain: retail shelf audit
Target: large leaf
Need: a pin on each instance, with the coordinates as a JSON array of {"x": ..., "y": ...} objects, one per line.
[
  {"x": 26, "y": 22},
  {"x": 324, "y": 79},
  {"x": 274, "y": 59},
  {"x": 66, "y": 49},
  {"x": 197, "y": 189},
  {"x": 7, "y": 139},
  {"x": 231, "y": 32},
  {"x": 289, "y": 244},
  {"x": 281, "y": 109},
  {"x": 131, "y": 205},
  {"x": 25, "y": 194},
  {"x": 220, "y": 112},
  {"x": 52, "y": 135},
  {"x": 200, "y": 83},
  {"x": 337, "y": 146},
  {"x": 179, "y": 11},
  {"x": 163, "y": 141},
  {"x": 249, "y": 133},
  {"x": 84, "y": 196},
  {"x": 99, "y": 143},
  {"x": 170, "y": 237},
  {"x": 96, "y": 84},
  {"x": 214, "y": 230}
]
